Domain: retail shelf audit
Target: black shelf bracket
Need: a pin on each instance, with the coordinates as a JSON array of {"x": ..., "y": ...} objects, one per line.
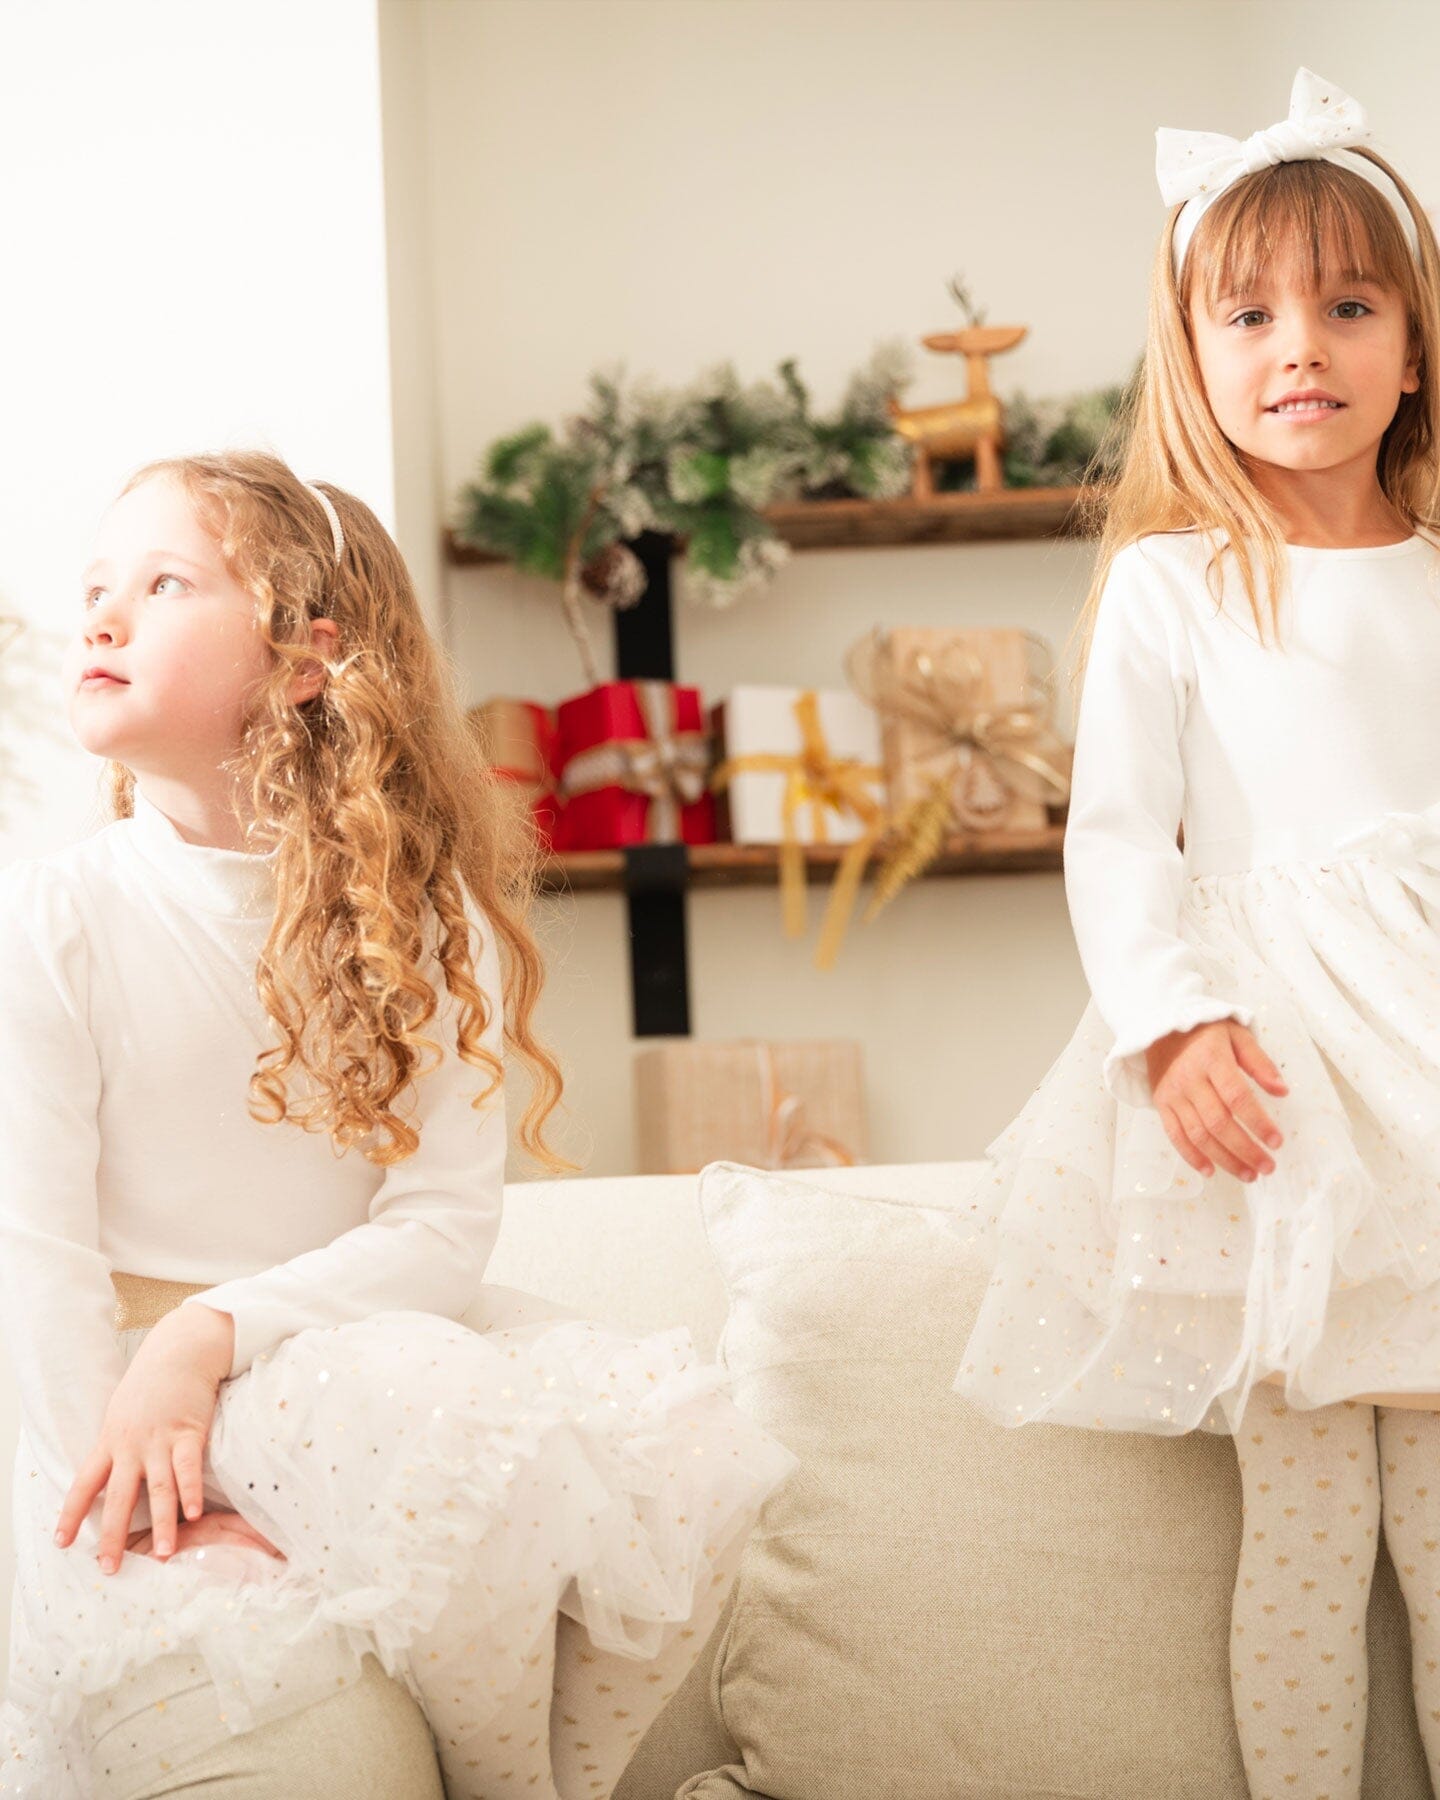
[{"x": 656, "y": 875}]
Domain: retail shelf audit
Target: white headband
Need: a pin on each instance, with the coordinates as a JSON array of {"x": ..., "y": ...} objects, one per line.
[
  {"x": 330, "y": 513},
  {"x": 1197, "y": 166}
]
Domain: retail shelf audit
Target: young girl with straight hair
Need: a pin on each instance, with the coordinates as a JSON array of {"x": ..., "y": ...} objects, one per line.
[
  {"x": 252, "y": 1148},
  {"x": 1220, "y": 1208}
]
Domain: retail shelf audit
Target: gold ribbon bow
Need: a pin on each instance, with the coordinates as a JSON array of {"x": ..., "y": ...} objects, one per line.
[
  {"x": 978, "y": 757},
  {"x": 825, "y": 783},
  {"x": 788, "y": 1137},
  {"x": 668, "y": 765}
]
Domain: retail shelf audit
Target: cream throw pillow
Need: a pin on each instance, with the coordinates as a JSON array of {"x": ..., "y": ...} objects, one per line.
[{"x": 936, "y": 1606}]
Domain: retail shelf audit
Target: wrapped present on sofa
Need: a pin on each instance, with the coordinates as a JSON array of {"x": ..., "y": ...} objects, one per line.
[
  {"x": 518, "y": 739},
  {"x": 802, "y": 766},
  {"x": 632, "y": 761},
  {"x": 789, "y": 1105},
  {"x": 965, "y": 722}
]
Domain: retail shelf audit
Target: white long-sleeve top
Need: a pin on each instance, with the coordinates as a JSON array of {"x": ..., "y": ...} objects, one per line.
[
  {"x": 129, "y": 1026},
  {"x": 1264, "y": 754}
]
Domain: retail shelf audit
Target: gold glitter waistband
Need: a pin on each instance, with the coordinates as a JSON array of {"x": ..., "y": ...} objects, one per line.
[{"x": 143, "y": 1300}]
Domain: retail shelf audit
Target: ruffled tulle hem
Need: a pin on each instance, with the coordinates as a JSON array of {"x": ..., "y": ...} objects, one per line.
[
  {"x": 552, "y": 1467},
  {"x": 1129, "y": 1292}
]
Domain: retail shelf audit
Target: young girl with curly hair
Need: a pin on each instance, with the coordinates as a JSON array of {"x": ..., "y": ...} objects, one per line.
[{"x": 252, "y": 1147}]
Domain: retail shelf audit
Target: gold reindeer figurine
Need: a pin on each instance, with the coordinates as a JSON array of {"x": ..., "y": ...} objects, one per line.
[{"x": 973, "y": 426}]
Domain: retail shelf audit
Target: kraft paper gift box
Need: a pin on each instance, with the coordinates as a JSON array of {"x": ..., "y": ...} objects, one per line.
[
  {"x": 518, "y": 739},
  {"x": 968, "y": 709},
  {"x": 779, "y": 1105},
  {"x": 823, "y": 743},
  {"x": 632, "y": 763}
]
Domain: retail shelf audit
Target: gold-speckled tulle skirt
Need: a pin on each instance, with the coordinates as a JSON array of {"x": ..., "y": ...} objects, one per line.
[
  {"x": 1128, "y": 1291},
  {"x": 439, "y": 1493}
]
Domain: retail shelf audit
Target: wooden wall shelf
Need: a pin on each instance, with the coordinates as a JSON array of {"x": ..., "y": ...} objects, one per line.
[
  {"x": 758, "y": 865},
  {"x": 655, "y": 879},
  {"x": 967, "y": 518}
]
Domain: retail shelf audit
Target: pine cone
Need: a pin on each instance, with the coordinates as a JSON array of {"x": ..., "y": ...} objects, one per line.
[{"x": 615, "y": 575}]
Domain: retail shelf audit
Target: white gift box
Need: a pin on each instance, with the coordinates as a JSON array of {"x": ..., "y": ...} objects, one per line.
[{"x": 763, "y": 720}]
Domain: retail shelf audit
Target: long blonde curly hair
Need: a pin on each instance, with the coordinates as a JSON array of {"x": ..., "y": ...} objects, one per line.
[
  {"x": 1178, "y": 469},
  {"x": 383, "y": 812}
]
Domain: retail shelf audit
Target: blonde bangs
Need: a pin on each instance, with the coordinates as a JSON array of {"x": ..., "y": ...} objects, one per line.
[{"x": 1312, "y": 215}]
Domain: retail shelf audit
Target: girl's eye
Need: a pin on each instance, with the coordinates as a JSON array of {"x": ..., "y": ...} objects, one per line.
[
  {"x": 90, "y": 593},
  {"x": 1252, "y": 311}
]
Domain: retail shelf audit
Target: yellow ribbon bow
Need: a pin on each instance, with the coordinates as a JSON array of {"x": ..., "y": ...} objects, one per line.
[{"x": 825, "y": 783}]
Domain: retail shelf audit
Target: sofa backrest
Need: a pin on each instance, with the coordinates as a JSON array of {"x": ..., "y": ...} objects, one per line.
[{"x": 631, "y": 1249}]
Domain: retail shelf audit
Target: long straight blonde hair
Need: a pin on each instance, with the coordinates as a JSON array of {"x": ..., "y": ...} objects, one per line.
[
  {"x": 1178, "y": 470},
  {"x": 378, "y": 799}
]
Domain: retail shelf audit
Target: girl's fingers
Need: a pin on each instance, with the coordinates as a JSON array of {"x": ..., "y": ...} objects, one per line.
[
  {"x": 1176, "y": 1134},
  {"x": 160, "y": 1481},
  {"x": 188, "y": 1456},
  {"x": 86, "y": 1485},
  {"x": 122, "y": 1490},
  {"x": 1250, "y": 1157},
  {"x": 1255, "y": 1062},
  {"x": 1194, "y": 1129}
]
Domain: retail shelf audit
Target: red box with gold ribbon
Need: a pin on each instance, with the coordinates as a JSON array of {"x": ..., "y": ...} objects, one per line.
[
  {"x": 632, "y": 762},
  {"x": 518, "y": 738}
]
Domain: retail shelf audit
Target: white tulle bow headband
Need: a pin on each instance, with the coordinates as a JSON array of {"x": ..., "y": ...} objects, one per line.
[
  {"x": 330, "y": 513},
  {"x": 1197, "y": 166}
]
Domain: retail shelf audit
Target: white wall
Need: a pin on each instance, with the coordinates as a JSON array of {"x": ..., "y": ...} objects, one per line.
[
  {"x": 668, "y": 183},
  {"x": 193, "y": 216},
  {"x": 194, "y": 220}
]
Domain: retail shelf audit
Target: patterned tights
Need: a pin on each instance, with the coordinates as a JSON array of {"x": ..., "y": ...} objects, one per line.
[
  {"x": 568, "y": 1730},
  {"x": 1313, "y": 1485}
]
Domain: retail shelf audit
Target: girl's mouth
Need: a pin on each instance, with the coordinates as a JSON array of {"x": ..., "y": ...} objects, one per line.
[
  {"x": 91, "y": 681},
  {"x": 1306, "y": 412}
]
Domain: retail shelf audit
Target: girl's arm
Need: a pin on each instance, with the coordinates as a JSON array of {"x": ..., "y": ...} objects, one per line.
[
  {"x": 1123, "y": 867},
  {"x": 56, "y": 1298},
  {"x": 433, "y": 1221}
]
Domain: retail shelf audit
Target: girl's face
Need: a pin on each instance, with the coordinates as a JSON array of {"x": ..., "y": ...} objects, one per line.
[
  {"x": 1347, "y": 341},
  {"x": 176, "y": 634}
]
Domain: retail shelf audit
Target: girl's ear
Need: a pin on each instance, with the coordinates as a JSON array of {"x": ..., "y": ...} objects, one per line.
[{"x": 310, "y": 677}]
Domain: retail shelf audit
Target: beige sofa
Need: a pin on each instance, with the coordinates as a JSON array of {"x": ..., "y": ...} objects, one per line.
[{"x": 935, "y": 1605}]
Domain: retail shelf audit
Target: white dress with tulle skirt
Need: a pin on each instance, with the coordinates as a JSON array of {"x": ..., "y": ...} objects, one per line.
[
  {"x": 1128, "y": 1291},
  {"x": 442, "y": 1478}
]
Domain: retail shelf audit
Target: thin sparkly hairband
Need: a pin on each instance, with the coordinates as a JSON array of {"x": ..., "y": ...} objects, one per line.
[
  {"x": 330, "y": 513},
  {"x": 1197, "y": 166}
]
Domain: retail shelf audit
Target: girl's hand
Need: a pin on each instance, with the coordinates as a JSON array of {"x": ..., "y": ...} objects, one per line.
[
  {"x": 220, "y": 1526},
  {"x": 155, "y": 1428},
  {"x": 1197, "y": 1081}
]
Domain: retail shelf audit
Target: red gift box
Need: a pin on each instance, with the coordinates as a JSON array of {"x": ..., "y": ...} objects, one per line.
[
  {"x": 632, "y": 763},
  {"x": 519, "y": 741}
]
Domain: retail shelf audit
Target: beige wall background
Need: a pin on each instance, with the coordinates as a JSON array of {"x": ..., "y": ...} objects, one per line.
[
  {"x": 667, "y": 183},
  {"x": 375, "y": 234}
]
